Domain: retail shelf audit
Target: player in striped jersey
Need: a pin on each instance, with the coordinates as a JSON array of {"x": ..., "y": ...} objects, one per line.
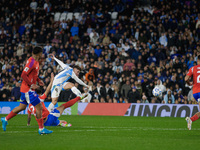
[
  {"x": 61, "y": 82},
  {"x": 51, "y": 118}
]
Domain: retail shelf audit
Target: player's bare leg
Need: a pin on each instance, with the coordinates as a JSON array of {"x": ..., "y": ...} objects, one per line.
[
  {"x": 68, "y": 104},
  {"x": 12, "y": 114},
  {"x": 38, "y": 108},
  {"x": 19, "y": 108},
  {"x": 66, "y": 87},
  {"x": 40, "y": 120},
  {"x": 61, "y": 108}
]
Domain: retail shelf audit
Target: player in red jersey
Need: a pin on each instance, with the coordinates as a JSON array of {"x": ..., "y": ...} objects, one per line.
[
  {"x": 195, "y": 73},
  {"x": 28, "y": 94},
  {"x": 51, "y": 118}
]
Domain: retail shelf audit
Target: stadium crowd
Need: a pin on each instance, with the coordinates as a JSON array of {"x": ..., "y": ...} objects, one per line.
[{"x": 122, "y": 59}]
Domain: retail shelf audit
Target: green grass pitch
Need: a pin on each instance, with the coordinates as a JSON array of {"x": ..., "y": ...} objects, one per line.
[{"x": 103, "y": 133}]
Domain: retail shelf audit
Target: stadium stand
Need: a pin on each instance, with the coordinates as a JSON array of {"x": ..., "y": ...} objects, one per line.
[{"x": 129, "y": 45}]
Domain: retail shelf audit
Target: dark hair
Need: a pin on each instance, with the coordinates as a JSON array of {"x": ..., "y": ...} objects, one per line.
[
  {"x": 77, "y": 67},
  {"x": 39, "y": 90},
  {"x": 37, "y": 50}
]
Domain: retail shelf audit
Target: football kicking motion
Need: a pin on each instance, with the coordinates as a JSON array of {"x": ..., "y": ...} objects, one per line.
[
  {"x": 60, "y": 82},
  {"x": 51, "y": 118},
  {"x": 28, "y": 94},
  {"x": 195, "y": 72}
]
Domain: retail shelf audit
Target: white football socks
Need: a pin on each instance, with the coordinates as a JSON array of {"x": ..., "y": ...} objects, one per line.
[
  {"x": 51, "y": 107},
  {"x": 76, "y": 91}
]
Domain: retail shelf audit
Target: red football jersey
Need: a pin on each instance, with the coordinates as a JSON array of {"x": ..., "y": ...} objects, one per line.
[
  {"x": 32, "y": 110},
  {"x": 195, "y": 72},
  {"x": 32, "y": 70}
]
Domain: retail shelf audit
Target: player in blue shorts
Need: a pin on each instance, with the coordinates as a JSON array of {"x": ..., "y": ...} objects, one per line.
[
  {"x": 195, "y": 73},
  {"x": 51, "y": 118},
  {"x": 28, "y": 94}
]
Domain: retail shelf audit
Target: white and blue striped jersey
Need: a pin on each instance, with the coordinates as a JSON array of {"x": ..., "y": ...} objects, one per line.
[{"x": 62, "y": 77}]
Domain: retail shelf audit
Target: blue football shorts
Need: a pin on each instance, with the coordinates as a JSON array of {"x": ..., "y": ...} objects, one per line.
[
  {"x": 52, "y": 119},
  {"x": 197, "y": 97},
  {"x": 30, "y": 97}
]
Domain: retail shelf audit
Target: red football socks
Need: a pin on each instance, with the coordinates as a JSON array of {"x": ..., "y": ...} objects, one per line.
[
  {"x": 10, "y": 115},
  {"x": 194, "y": 118},
  {"x": 71, "y": 102},
  {"x": 40, "y": 123}
]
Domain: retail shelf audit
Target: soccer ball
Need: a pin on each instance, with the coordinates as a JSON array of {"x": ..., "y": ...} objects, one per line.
[{"x": 156, "y": 91}]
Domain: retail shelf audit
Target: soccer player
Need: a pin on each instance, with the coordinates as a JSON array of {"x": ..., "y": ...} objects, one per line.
[
  {"x": 60, "y": 82},
  {"x": 28, "y": 94},
  {"x": 195, "y": 72},
  {"x": 51, "y": 118}
]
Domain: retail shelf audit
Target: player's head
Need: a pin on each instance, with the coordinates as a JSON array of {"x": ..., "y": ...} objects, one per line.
[
  {"x": 37, "y": 52},
  {"x": 198, "y": 60},
  {"x": 39, "y": 91},
  {"x": 77, "y": 69}
]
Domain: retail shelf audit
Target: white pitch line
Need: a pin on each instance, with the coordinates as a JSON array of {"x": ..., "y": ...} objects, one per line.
[{"x": 115, "y": 129}]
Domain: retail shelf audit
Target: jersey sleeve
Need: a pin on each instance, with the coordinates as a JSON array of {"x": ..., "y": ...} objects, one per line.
[
  {"x": 42, "y": 97},
  {"x": 29, "y": 66},
  {"x": 77, "y": 79},
  {"x": 64, "y": 66},
  {"x": 190, "y": 72}
]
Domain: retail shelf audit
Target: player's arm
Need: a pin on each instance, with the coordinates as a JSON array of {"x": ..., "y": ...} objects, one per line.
[
  {"x": 41, "y": 83},
  {"x": 78, "y": 80},
  {"x": 58, "y": 61},
  {"x": 50, "y": 85},
  {"x": 187, "y": 77}
]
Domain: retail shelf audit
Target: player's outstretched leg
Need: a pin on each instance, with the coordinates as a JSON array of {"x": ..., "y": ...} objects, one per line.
[
  {"x": 44, "y": 131},
  {"x": 65, "y": 124},
  {"x": 4, "y": 123},
  {"x": 12, "y": 114},
  {"x": 189, "y": 123}
]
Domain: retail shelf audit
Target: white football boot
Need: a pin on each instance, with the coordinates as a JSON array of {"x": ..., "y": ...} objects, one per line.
[{"x": 189, "y": 123}]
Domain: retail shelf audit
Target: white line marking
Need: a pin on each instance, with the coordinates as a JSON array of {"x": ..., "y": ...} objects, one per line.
[{"x": 109, "y": 129}]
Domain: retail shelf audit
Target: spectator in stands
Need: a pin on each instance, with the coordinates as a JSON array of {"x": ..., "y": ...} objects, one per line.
[
  {"x": 33, "y": 5},
  {"x": 47, "y": 6},
  {"x": 161, "y": 87},
  {"x": 144, "y": 99},
  {"x": 74, "y": 29},
  {"x": 16, "y": 91},
  {"x": 133, "y": 95},
  {"x": 94, "y": 39},
  {"x": 90, "y": 75},
  {"x": 173, "y": 41},
  {"x": 126, "y": 87},
  {"x": 128, "y": 64},
  {"x": 169, "y": 97},
  {"x": 151, "y": 59},
  {"x": 98, "y": 51}
]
